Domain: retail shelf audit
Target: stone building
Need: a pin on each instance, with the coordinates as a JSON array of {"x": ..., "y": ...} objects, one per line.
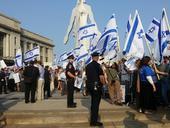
[{"x": 12, "y": 37}]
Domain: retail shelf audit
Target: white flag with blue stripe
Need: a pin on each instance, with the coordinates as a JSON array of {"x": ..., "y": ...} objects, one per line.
[
  {"x": 152, "y": 37},
  {"x": 165, "y": 35},
  {"x": 134, "y": 41},
  {"x": 87, "y": 36},
  {"x": 152, "y": 32},
  {"x": 32, "y": 54},
  {"x": 18, "y": 59},
  {"x": 83, "y": 54},
  {"x": 62, "y": 57},
  {"x": 109, "y": 39},
  {"x": 77, "y": 51},
  {"x": 129, "y": 24}
]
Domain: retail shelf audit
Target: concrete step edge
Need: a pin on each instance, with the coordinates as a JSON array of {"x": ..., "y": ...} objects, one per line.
[{"x": 116, "y": 124}]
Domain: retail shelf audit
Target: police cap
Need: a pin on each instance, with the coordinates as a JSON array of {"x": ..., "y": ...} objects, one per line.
[
  {"x": 70, "y": 57},
  {"x": 95, "y": 54}
]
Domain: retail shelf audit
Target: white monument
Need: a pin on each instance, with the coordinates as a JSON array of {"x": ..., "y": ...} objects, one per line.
[{"x": 81, "y": 16}]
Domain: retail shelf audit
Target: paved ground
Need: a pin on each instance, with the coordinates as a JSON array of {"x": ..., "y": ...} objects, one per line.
[{"x": 15, "y": 101}]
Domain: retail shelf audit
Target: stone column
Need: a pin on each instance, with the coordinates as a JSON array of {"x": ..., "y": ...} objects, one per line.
[
  {"x": 44, "y": 54},
  {"x": 38, "y": 57},
  {"x": 24, "y": 47},
  {"x": 50, "y": 56},
  {"x": 4, "y": 46},
  {"x": 12, "y": 47},
  {"x": 31, "y": 46},
  {"x": 6, "y": 50}
]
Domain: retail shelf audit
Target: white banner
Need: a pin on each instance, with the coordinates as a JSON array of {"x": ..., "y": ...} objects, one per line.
[
  {"x": 78, "y": 82},
  {"x": 2, "y": 64}
]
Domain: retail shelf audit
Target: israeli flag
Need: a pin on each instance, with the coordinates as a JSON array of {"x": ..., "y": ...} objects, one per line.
[
  {"x": 63, "y": 57},
  {"x": 152, "y": 37},
  {"x": 134, "y": 41},
  {"x": 87, "y": 34},
  {"x": 76, "y": 51},
  {"x": 32, "y": 54},
  {"x": 165, "y": 35},
  {"x": 83, "y": 54},
  {"x": 18, "y": 58},
  {"x": 129, "y": 24},
  {"x": 89, "y": 59},
  {"x": 152, "y": 32},
  {"x": 109, "y": 39}
]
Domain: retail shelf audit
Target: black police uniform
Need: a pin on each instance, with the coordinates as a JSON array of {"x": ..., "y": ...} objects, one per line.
[
  {"x": 94, "y": 86},
  {"x": 70, "y": 84},
  {"x": 31, "y": 74}
]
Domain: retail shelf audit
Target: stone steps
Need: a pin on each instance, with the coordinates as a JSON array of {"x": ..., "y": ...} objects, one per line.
[
  {"x": 80, "y": 118},
  {"x": 53, "y": 113},
  {"x": 120, "y": 124}
]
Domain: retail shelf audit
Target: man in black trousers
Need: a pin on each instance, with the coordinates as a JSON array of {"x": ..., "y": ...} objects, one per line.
[
  {"x": 95, "y": 80},
  {"x": 31, "y": 74},
  {"x": 70, "y": 76}
]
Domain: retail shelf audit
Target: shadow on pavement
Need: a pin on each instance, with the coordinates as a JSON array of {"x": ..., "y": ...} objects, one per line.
[{"x": 131, "y": 122}]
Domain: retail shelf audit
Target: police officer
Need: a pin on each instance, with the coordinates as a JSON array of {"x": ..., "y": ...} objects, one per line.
[
  {"x": 31, "y": 74},
  {"x": 95, "y": 80},
  {"x": 70, "y": 76}
]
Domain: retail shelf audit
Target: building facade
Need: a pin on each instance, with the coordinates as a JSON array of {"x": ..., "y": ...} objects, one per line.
[{"x": 12, "y": 37}]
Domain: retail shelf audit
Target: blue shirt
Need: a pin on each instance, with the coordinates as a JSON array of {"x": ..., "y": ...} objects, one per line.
[{"x": 147, "y": 71}]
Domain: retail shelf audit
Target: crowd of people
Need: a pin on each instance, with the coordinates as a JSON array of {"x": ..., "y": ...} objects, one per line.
[{"x": 148, "y": 86}]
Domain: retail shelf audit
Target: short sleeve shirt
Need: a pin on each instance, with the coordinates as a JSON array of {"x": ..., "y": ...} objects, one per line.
[
  {"x": 147, "y": 71},
  {"x": 70, "y": 68},
  {"x": 93, "y": 71}
]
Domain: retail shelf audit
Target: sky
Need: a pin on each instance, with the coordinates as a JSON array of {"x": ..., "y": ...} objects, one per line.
[{"x": 50, "y": 18}]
